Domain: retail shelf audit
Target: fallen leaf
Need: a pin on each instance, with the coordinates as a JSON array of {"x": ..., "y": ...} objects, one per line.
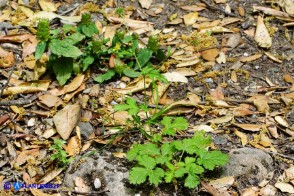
[
  {"x": 50, "y": 176},
  {"x": 135, "y": 86},
  {"x": 175, "y": 77},
  {"x": 206, "y": 128},
  {"x": 249, "y": 127},
  {"x": 224, "y": 182},
  {"x": 261, "y": 103},
  {"x": 27, "y": 87},
  {"x": 223, "y": 119},
  {"x": 262, "y": 36},
  {"x": 242, "y": 136},
  {"x": 6, "y": 58},
  {"x": 145, "y": 3},
  {"x": 190, "y": 19},
  {"x": 193, "y": 8},
  {"x": 210, "y": 54},
  {"x": 288, "y": 78},
  {"x": 281, "y": 121},
  {"x": 66, "y": 119},
  {"x": 74, "y": 84},
  {"x": 271, "y": 56},
  {"x": 26, "y": 155},
  {"x": 221, "y": 59},
  {"x": 50, "y": 100},
  {"x": 47, "y": 6}
]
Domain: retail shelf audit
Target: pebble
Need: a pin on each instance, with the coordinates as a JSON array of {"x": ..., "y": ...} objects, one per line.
[
  {"x": 209, "y": 80},
  {"x": 97, "y": 183}
]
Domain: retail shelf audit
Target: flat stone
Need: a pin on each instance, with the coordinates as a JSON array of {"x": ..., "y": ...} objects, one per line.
[
  {"x": 86, "y": 129},
  {"x": 250, "y": 164}
]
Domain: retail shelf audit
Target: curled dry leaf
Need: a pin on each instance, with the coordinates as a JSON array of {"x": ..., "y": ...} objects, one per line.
[
  {"x": 281, "y": 121},
  {"x": 135, "y": 86},
  {"x": 271, "y": 56},
  {"x": 75, "y": 83},
  {"x": 242, "y": 136},
  {"x": 27, "y": 87},
  {"x": 262, "y": 36}
]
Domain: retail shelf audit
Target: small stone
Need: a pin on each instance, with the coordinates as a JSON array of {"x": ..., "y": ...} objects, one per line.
[
  {"x": 97, "y": 183},
  {"x": 209, "y": 80},
  {"x": 31, "y": 122}
]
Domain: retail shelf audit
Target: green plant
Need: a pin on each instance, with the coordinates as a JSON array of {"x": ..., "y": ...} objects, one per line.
[
  {"x": 67, "y": 47},
  {"x": 185, "y": 160},
  {"x": 120, "y": 12},
  {"x": 59, "y": 153}
]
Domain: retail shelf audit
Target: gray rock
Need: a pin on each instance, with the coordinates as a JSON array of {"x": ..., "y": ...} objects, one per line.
[
  {"x": 86, "y": 129},
  {"x": 250, "y": 164},
  {"x": 111, "y": 175},
  {"x": 3, "y": 3}
]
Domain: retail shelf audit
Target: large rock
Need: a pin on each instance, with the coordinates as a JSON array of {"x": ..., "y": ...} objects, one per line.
[
  {"x": 248, "y": 165},
  {"x": 103, "y": 167}
]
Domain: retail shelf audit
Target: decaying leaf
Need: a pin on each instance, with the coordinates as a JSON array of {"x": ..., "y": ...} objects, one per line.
[
  {"x": 175, "y": 77},
  {"x": 249, "y": 127},
  {"x": 190, "y": 19},
  {"x": 262, "y": 36},
  {"x": 223, "y": 119},
  {"x": 66, "y": 119},
  {"x": 50, "y": 100},
  {"x": 50, "y": 176},
  {"x": 27, "y": 87}
]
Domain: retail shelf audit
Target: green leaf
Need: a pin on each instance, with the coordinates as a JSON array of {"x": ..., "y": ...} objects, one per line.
[
  {"x": 88, "y": 61},
  {"x": 43, "y": 30},
  {"x": 180, "y": 172},
  {"x": 138, "y": 175},
  {"x": 200, "y": 140},
  {"x": 210, "y": 160},
  {"x": 131, "y": 73},
  {"x": 62, "y": 68},
  {"x": 40, "y": 49},
  {"x": 193, "y": 168},
  {"x": 186, "y": 145},
  {"x": 169, "y": 176},
  {"x": 75, "y": 38},
  {"x": 166, "y": 153},
  {"x": 156, "y": 175},
  {"x": 192, "y": 181},
  {"x": 153, "y": 43},
  {"x": 153, "y": 74},
  {"x": 133, "y": 153},
  {"x": 104, "y": 77},
  {"x": 146, "y": 161},
  {"x": 89, "y": 30},
  {"x": 64, "y": 48},
  {"x": 143, "y": 57},
  {"x": 189, "y": 160},
  {"x": 149, "y": 149},
  {"x": 170, "y": 127},
  {"x": 131, "y": 106}
]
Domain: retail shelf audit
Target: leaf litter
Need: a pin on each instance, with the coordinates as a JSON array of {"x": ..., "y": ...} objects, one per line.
[{"x": 250, "y": 80}]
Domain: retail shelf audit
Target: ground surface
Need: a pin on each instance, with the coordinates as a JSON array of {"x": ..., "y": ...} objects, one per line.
[{"x": 244, "y": 99}]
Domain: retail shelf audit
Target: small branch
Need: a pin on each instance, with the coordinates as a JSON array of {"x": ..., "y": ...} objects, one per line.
[
  {"x": 216, "y": 8},
  {"x": 18, "y": 102},
  {"x": 8, "y": 79}
]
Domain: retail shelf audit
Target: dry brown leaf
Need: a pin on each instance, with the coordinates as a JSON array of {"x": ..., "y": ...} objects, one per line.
[
  {"x": 270, "y": 11},
  {"x": 6, "y": 58},
  {"x": 206, "y": 128},
  {"x": 37, "y": 192},
  {"x": 210, "y": 54},
  {"x": 66, "y": 119},
  {"x": 217, "y": 94},
  {"x": 50, "y": 176},
  {"x": 262, "y": 36},
  {"x": 242, "y": 136},
  {"x": 261, "y": 103},
  {"x": 50, "y": 100},
  {"x": 223, "y": 119},
  {"x": 216, "y": 29},
  {"x": 271, "y": 127},
  {"x": 157, "y": 93},
  {"x": 220, "y": 1},
  {"x": 26, "y": 155},
  {"x": 271, "y": 56},
  {"x": 288, "y": 78},
  {"x": 145, "y": 3},
  {"x": 133, "y": 24},
  {"x": 193, "y": 8},
  {"x": 233, "y": 41},
  {"x": 241, "y": 10},
  {"x": 69, "y": 96},
  {"x": 27, "y": 87},
  {"x": 225, "y": 182},
  {"x": 190, "y": 19},
  {"x": 175, "y": 77},
  {"x": 47, "y": 6},
  {"x": 281, "y": 121},
  {"x": 74, "y": 84},
  {"x": 250, "y": 58},
  {"x": 249, "y": 127},
  {"x": 135, "y": 86}
]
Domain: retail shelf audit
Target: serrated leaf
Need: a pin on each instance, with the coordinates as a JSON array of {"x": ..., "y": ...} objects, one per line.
[
  {"x": 210, "y": 160},
  {"x": 170, "y": 127},
  {"x": 143, "y": 57},
  {"x": 64, "y": 48},
  {"x": 149, "y": 149},
  {"x": 153, "y": 74},
  {"x": 138, "y": 175},
  {"x": 156, "y": 175},
  {"x": 180, "y": 172},
  {"x": 189, "y": 160},
  {"x": 200, "y": 140},
  {"x": 130, "y": 106},
  {"x": 186, "y": 145},
  {"x": 193, "y": 168},
  {"x": 169, "y": 176},
  {"x": 40, "y": 49},
  {"x": 146, "y": 161},
  {"x": 192, "y": 181},
  {"x": 133, "y": 153},
  {"x": 166, "y": 153},
  {"x": 62, "y": 68},
  {"x": 104, "y": 77}
]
